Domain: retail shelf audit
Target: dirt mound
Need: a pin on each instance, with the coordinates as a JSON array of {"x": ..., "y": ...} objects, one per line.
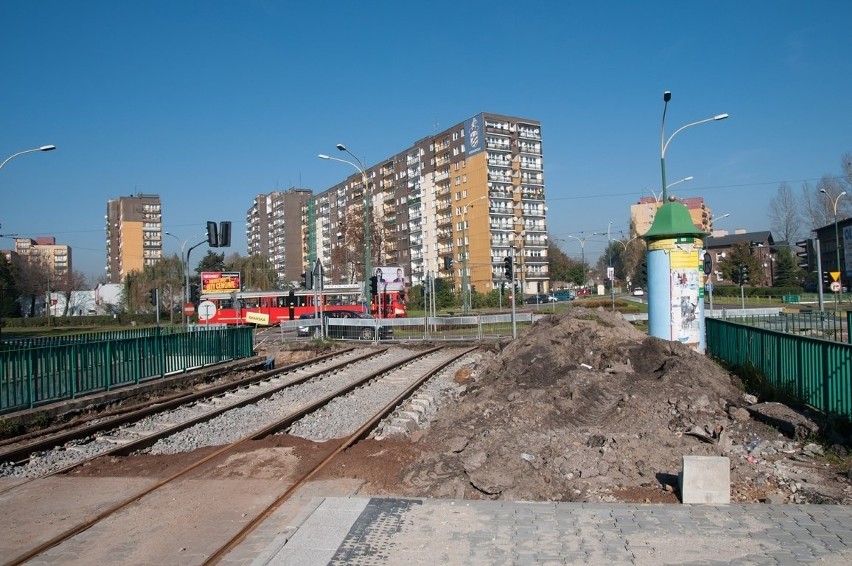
[{"x": 584, "y": 407}]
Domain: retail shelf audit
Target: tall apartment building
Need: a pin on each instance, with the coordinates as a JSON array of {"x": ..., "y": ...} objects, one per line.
[
  {"x": 642, "y": 214},
  {"x": 134, "y": 235},
  {"x": 274, "y": 230},
  {"x": 454, "y": 205},
  {"x": 44, "y": 252}
]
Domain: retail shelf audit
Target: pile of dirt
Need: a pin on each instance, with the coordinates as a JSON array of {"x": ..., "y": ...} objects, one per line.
[{"x": 584, "y": 407}]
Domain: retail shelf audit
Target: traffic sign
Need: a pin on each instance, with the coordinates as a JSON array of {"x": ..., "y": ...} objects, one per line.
[
  {"x": 206, "y": 310},
  {"x": 189, "y": 309},
  {"x": 835, "y": 275},
  {"x": 835, "y": 286}
]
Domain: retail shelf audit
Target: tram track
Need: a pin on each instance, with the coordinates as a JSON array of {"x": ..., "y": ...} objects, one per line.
[
  {"x": 124, "y": 434},
  {"x": 401, "y": 377}
]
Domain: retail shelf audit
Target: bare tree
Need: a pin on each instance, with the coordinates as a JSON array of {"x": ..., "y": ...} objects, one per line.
[
  {"x": 70, "y": 282},
  {"x": 784, "y": 217}
]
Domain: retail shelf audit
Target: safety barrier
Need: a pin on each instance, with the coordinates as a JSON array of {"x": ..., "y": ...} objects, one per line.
[
  {"x": 468, "y": 327},
  {"x": 829, "y": 325},
  {"x": 819, "y": 372},
  {"x": 30, "y": 376}
]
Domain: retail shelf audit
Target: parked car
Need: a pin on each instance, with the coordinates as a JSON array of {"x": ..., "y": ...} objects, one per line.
[
  {"x": 538, "y": 299},
  {"x": 638, "y": 291},
  {"x": 564, "y": 295},
  {"x": 345, "y": 331}
]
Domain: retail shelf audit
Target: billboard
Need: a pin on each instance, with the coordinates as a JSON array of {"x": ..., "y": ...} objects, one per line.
[
  {"x": 219, "y": 282},
  {"x": 390, "y": 278},
  {"x": 474, "y": 130}
]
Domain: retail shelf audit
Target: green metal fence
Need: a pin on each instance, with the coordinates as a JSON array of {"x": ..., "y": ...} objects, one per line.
[
  {"x": 84, "y": 338},
  {"x": 38, "y": 374},
  {"x": 829, "y": 325},
  {"x": 817, "y": 371}
]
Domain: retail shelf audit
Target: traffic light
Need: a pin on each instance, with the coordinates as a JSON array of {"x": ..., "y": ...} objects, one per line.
[
  {"x": 212, "y": 235},
  {"x": 427, "y": 284},
  {"x": 193, "y": 293},
  {"x": 826, "y": 279},
  {"x": 804, "y": 254},
  {"x": 153, "y": 297},
  {"x": 224, "y": 234},
  {"x": 308, "y": 279},
  {"x": 448, "y": 263},
  {"x": 507, "y": 267},
  {"x": 374, "y": 286},
  {"x": 743, "y": 274}
]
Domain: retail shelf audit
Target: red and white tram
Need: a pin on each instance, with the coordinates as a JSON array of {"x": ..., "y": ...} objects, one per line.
[{"x": 233, "y": 308}]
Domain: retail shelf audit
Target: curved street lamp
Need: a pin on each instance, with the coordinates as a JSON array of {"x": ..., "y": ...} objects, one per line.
[
  {"x": 367, "y": 216},
  {"x": 670, "y": 185},
  {"x": 664, "y": 143},
  {"x": 583, "y": 252},
  {"x": 14, "y": 155},
  {"x": 836, "y": 232}
]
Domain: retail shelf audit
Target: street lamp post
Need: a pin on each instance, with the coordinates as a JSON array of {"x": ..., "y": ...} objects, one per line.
[
  {"x": 664, "y": 143},
  {"x": 836, "y": 234},
  {"x": 14, "y": 155},
  {"x": 185, "y": 260},
  {"x": 583, "y": 253},
  {"x": 367, "y": 216},
  {"x": 670, "y": 185}
]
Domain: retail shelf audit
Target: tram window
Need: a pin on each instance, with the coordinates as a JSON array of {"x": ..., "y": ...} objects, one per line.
[
  {"x": 250, "y": 303},
  {"x": 281, "y": 302},
  {"x": 226, "y": 304}
]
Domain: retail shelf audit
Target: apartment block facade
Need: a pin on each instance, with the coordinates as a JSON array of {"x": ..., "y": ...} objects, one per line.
[
  {"x": 274, "y": 230},
  {"x": 454, "y": 206},
  {"x": 134, "y": 235},
  {"x": 45, "y": 253}
]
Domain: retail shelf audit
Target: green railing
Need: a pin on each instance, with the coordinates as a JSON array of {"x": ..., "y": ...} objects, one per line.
[
  {"x": 829, "y": 325},
  {"x": 36, "y": 375},
  {"x": 819, "y": 372},
  {"x": 85, "y": 338}
]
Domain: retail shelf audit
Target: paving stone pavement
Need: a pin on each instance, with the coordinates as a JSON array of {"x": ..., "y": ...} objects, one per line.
[{"x": 364, "y": 531}]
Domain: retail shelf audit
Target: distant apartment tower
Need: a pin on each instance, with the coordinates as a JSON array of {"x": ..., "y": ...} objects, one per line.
[
  {"x": 274, "y": 230},
  {"x": 642, "y": 214},
  {"x": 454, "y": 205},
  {"x": 134, "y": 235},
  {"x": 46, "y": 254}
]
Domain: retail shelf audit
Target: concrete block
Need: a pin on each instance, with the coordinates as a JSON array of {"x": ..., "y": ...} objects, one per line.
[{"x": 705, "y": 479}]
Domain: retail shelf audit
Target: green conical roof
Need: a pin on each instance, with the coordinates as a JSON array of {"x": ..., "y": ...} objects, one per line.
[{"x": 672, "y": 220}]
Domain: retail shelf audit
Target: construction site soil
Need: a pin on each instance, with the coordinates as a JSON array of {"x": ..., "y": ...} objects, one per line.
[{"x": 585, "y": 407}]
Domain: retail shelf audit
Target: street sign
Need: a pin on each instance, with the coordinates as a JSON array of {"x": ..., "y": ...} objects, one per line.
[
  {"x": 206, "y": 310},
  {"x": 835, "y": 275},
  {"x": 257, "y": 318},
  {"x": 835, "y": 286},
  {"x": 189, "y": 309}
]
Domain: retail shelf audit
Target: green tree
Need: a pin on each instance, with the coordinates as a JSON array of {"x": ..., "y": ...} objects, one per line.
[
  {"x": 9, "y": 294},
  {"x": 257, "y": 273},
  {"x": 787, "y": 272},
  {"x": 739, "y": 255},
  {"x": 211, "y": 262}
]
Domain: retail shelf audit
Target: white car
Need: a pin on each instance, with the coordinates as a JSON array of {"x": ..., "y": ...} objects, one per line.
[{"x": 638, "y": 291}]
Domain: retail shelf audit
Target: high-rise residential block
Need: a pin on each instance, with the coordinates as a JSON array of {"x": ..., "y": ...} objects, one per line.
[
  {"x": 454, "y": 206},
  {"x": 273, "y": 229},
  {"x": 134, "y": 235},
  {"x": 46, "y": 254}
]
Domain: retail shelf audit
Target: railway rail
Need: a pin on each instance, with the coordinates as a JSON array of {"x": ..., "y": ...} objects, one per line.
[{"x": 378, "y": 382}]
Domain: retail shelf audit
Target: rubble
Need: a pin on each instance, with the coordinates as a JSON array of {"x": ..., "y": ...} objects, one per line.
[{"x": 585, "y": 407}]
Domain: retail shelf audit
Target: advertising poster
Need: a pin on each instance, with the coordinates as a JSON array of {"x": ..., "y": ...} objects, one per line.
[
  {"x": 219, "y": 282},
  {"x": 685, "y": 284},
  {"x": 390, "y": 278}
]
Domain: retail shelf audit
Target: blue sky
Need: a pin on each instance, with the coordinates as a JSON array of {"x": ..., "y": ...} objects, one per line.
[{"x": 208, "y": 103}]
